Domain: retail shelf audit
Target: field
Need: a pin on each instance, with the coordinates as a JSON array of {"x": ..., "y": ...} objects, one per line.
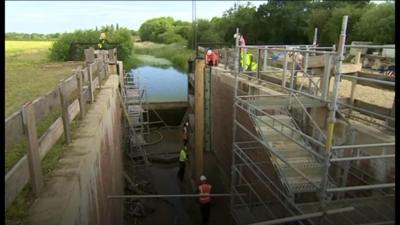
[{"x": 29, "y": 73}]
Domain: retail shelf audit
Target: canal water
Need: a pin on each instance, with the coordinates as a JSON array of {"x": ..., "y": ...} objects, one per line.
[{"x": 162, "y": 84}]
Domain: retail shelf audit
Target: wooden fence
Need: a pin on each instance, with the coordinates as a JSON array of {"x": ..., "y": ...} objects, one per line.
[{"x": 71, "y": 96}]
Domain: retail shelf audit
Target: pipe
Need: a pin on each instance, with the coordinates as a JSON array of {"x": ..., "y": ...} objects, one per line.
[
  {"x": 370, "y": 46},
  {"x": 287, "y": 50},
  {"x": 333, "y": 106},
  {"x": 361, "y": 187},
  {"x": 362, "y": 158},
  {"x": 392, "y": 144},
  {"x": 315, "y": 36},
  {"x": 171, "y": 195},
  {"x": 329, "y": 138},
  {"x": 371, "y": 80}
]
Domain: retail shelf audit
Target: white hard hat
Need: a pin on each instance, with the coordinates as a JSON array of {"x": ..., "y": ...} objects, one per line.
[
  {"x": 203, "y": 178},
  {"x": 209, "y": 52}
]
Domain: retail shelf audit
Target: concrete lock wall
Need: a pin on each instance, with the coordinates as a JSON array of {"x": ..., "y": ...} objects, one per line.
[
  {"x": 89, "y": 171},
  {"x": 222, "y": 93},
  {"x": 222, "y": 88}
]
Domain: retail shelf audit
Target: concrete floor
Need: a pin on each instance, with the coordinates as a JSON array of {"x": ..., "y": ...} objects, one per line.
[{"x": 163, "y": 178}]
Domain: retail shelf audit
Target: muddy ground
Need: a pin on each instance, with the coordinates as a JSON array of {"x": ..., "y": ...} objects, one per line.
[{"x": 163, "y": 180}]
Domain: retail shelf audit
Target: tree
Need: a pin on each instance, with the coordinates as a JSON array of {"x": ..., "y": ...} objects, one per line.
[
  {"x": 377, "y": 24},
  {"x": 151, "y": 29},
  {"x": 182, "y": 28},
  {"x": 331, "y": 30},
  {"x": 283, "y": 22}
]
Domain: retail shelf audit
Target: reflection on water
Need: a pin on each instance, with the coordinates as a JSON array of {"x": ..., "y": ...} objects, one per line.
[{"x": 162, "y": 84}]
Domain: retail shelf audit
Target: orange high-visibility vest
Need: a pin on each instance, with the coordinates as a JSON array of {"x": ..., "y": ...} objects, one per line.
[{"x": 205, "y": 190}]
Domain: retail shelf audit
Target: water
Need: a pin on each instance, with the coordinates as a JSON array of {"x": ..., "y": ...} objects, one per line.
[{"x": 162, "y": 84}]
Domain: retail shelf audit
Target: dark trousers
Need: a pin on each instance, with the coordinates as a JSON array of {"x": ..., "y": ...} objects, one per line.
[
  {"x": 181, "y": 171},
  {"x": 205, "y": 212}
]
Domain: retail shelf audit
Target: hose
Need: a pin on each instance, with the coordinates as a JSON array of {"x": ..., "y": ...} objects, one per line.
[{"x": 156, "y": 141}]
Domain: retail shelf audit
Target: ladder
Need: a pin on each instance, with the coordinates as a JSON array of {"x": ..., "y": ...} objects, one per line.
[{"x": 136, "y": 115}]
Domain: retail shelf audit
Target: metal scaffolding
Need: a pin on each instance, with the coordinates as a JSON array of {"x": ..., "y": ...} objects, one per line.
[
  {"x": 134, "y": 97},
  {"x": 293, "y": 175}
]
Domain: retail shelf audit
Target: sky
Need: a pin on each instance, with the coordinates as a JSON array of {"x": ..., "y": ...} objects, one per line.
[{"x": 66, "y": 16}]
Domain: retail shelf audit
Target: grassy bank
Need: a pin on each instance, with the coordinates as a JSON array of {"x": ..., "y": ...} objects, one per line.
[
  {"x": 29, "y": 74},
  {"x": 176, "y": 53}
]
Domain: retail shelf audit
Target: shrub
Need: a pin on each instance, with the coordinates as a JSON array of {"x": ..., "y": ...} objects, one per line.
[
  {"x": 60, "y": 50},
  {"x": 170, "y": 37},
  {"x": 164, "y": 30}
]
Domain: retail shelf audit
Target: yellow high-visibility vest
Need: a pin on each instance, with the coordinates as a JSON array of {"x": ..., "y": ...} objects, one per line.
[
  {"x": 183, "y": 156},
  {"x": 249, "y": 62}
]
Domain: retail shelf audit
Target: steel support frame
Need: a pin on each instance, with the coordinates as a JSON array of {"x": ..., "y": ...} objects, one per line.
[
  {"x": 241, "y": 103},
  {"x": 263, "y": 178}
]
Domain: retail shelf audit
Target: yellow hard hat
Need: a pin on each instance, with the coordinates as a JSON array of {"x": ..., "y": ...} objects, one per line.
[{"x": 103, "y": 35}]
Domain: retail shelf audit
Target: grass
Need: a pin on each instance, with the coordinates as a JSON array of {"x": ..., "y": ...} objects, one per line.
[
  {"x": 24, "y": 46},
  {"x": 17, "y": 213},
  {"x": 151, "y": 60},
  {"x": 29, "y": 74}
]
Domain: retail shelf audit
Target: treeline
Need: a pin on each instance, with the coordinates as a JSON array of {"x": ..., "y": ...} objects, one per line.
[
  {"x": 283, "y": 22},
  {"x": 60, "y": 51},
  {"x": 14, "y": 36},
  {"x": 165, "y": 30}
]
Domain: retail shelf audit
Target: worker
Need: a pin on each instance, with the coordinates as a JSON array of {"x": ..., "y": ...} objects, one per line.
[
  {"x": 211, "y": 58},
  {"x": 103, "y": 43},
  {"x": 390, "y": 72},
  {"x": 185, "y": 133},
  {"x": 242, "y": 41},
  {"x": 246, "y": 58},
  {"x": 204, "y": 199},
  {"x": 247, "y": 61},
  {"x": 183, "y": 157},
  {"x": 298, "y": 58}
]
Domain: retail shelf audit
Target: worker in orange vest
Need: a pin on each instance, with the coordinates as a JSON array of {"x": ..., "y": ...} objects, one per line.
[
  {"x": 211, "y": 58},
  {"x": 204, "y": 199}
]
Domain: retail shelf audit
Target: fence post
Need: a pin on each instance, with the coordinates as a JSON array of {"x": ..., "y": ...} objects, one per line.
[
  {"x": 258, "y": 62},
  {"x": 64, "y": 114},
  {"x": 293, "y": 75},
  {"x": 35, "y": 169},
  {"x": 89, "y": 55},
  {"x": 391, "y": 123},
  {"x": 100, "y": 67},
  {"x": 79, "y": 78},
  {"x": 265, "y": 58},
  {"x": 326, "y": 77},
  {"x": 90, "y": 71},
  {"x": 285, "y": 64},
  {"x": 226, "y": 58}
]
